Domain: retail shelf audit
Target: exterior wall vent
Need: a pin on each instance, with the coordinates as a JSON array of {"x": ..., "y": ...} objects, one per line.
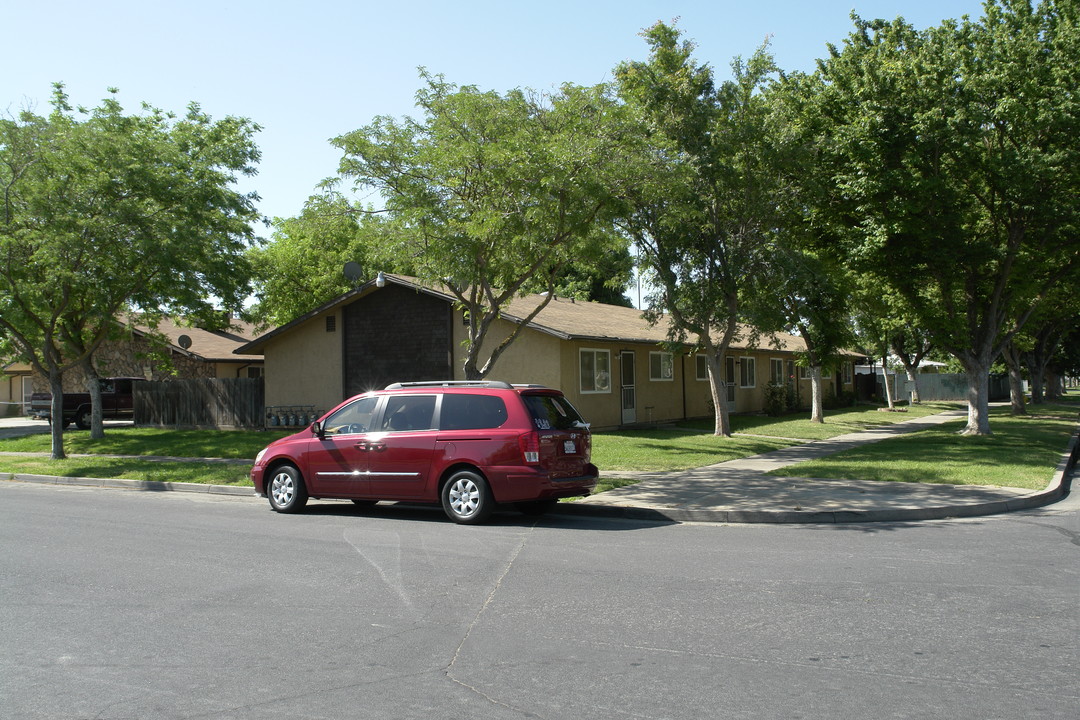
[{"x": 331, "y": 323}]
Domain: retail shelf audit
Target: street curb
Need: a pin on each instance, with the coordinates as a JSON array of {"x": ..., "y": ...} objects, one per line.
[
  {"x": 1056, "y": 489},
  {"x": 119, "y": 484}
]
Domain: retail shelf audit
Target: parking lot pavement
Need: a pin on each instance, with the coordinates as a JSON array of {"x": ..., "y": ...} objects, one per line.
[{"x": 17, "y": 426}]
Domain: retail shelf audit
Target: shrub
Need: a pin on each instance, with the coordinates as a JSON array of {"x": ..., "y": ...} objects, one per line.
[{"x": 776, "y": 399}]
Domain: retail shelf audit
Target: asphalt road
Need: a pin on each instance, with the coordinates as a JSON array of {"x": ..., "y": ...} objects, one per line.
[{"x": 121, "y": 604}]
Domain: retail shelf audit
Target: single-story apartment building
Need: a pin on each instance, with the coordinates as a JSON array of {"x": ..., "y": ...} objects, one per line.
[
  {"x": 194, "y": 352},
  {"x": 16, "y": 386},
  {"x": 610, "y": 362}
]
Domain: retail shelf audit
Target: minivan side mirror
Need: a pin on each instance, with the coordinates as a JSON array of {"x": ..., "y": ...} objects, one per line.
[{"x": 317, "y": 429}]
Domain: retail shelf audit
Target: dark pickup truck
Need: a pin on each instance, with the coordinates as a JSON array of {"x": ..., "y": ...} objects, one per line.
[{"x": 117, "y": 403}]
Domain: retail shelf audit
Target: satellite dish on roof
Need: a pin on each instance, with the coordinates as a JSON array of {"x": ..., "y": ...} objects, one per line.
[
  {"x": 184, "y": 341},
  {"x": 353, "y": 272}
]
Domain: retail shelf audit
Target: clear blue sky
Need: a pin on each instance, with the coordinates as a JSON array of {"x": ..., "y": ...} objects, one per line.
[{"x": 311, "y": 70}]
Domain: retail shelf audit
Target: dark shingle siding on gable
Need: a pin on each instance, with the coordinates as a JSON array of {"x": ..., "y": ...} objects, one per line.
[{"x": 395, "y": 335}]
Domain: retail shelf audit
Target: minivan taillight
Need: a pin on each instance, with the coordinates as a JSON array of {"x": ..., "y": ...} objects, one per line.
[{"x": 530, "y": 447}]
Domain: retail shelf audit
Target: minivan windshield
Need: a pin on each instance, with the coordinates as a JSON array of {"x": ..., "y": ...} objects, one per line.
[{"x": 553, "y": 412}]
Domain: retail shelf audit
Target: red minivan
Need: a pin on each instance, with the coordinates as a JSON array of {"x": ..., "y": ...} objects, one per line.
[{"x": 468, "y": 445}]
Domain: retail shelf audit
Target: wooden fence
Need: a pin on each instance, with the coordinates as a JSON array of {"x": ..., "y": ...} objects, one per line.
[{"x": 218, "y": 403}]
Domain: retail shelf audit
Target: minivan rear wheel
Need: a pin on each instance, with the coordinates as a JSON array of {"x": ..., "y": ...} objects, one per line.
[{"x": 466, "y": 498}]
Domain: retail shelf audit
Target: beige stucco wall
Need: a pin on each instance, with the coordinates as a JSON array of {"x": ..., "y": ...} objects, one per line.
[
  {"x": 533, "y": 358},
  {"x": 304, "y": 366},
  {"x": 232, "y": 370}
]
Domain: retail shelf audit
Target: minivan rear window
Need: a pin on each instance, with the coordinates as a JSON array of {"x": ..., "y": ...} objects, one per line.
[
  {"x": 471, "y": 412},
  {"x": 552, "y": 412}
]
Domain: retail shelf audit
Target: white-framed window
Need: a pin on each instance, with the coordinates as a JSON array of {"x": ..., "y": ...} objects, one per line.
[
  {"x": 847, "y": 373},
  {"x": 661, "y": 366},
  {"x": 776, "y": 371},
  {"x": 595, "y": 372},
  {"x": 701, "y": 364},
  {"x": 747, "y": 372}
]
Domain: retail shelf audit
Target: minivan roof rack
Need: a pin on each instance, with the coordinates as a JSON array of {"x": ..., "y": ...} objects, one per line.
[{"x": 452, "y": 383}]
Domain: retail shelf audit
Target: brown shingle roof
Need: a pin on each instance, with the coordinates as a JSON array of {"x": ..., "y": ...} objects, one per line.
[
  {"x": 210, "y": 345},
  {"x": 562, "y": 317}
]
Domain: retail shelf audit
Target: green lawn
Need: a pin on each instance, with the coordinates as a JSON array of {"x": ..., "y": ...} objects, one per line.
[
  {"x": 232, "y": 444},
  {"x": 123, "y": 469},
  {"x": 241, "y": 444},
  {"x": 673, "y": 449},
  {"x": 837, "y": 422},
  {"x": 1022, "y": 452},
  {"x": 692, "y": 444}
]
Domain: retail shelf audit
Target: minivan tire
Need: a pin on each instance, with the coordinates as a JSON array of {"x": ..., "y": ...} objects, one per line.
[
  {"x": 466, "y": 498},
  {"x": 286, "y": 490}
]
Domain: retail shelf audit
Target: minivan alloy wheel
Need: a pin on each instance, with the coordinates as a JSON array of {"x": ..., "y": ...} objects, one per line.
[
  {"x": 286, "y": 490},
  {"x": 467, "y": 498}
]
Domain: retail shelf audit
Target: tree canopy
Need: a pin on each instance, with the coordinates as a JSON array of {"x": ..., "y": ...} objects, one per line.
[
  {"x": 105, "y": 211},
  {"x": 493, "y": 195},
  {"x": 955, "y": 159},
  {"x": 701, "y": 211}
]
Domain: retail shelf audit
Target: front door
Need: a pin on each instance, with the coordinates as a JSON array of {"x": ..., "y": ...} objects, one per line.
[
  {"x": 729, "y": 381},
  {"x": 628, "y": 373},
  {"x": 337, "y": 462}
]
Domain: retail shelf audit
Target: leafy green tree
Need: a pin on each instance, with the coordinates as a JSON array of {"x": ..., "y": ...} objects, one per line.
[
  {"x": 105, "y": 211},
  {"x": 805, "y": 295},
  {"x": 701, "y": 212},
  {"x": 955, "y": 160},
  {"x": 494, "y": 195},
  {"x": 303, "y": 264}
]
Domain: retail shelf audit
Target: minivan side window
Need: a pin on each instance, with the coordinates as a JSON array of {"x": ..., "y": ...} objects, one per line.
[
  {"x": 353, "y": 418},
  {"x": 550, "y": 412},
  {"x": 471, "y": 412},
  {"x": 408, "y": 412}
]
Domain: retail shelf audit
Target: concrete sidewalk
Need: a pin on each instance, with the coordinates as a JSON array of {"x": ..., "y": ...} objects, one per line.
[{"x": 738, "y": 491}]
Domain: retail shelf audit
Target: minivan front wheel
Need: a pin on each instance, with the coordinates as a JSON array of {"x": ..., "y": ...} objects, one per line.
[
  {"x": 286, "y": 490},
  {"x": 466, "y": 498}
]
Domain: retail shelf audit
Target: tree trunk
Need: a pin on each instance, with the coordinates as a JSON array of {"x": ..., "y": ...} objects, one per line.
[
  {"x": 1035, "y": 376},
  {"x": 1054, "y": 385},
  {"x": 913, "y": 378},
  {"x": 718, "y": 388},
  {"x": 886, "y": 383},
  {"x": 56, "y": 387},
  {"x": 1016, "y": 382},
  {"x": 93, "y": 386},
  {"x": 1016, "y": 392},
  {"x": 816, "y": 406},
  {"x": 978, "y": 378}
]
